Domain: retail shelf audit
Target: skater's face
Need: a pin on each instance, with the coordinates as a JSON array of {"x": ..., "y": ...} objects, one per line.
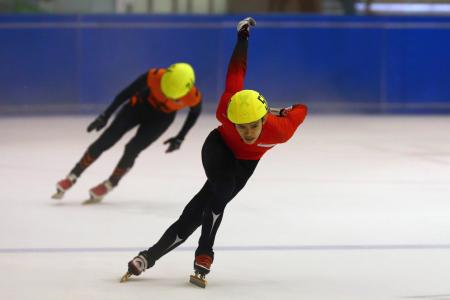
[{"x": 250, "y": 132}]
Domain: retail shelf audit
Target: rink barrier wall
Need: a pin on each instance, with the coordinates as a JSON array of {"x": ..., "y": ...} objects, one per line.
[{"x": 368, "y": 64}]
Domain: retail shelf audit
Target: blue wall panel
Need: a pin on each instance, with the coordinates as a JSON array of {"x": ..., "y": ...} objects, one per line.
[
  {"x": 332, "y": 63},
  {"x": 38, "y": 66},
  {"x": 420, "y": 60}
]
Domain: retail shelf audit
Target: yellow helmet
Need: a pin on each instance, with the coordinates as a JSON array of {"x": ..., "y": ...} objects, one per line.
[
  {"x": 246, "y": 106},
  {"x": 178, "y": 80}
]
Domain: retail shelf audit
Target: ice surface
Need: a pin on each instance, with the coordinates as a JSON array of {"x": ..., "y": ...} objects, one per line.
[{"x": 353, "y": 207}]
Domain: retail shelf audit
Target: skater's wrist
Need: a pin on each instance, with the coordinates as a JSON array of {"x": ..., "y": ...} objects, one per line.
[
  {"x": 105, "y": 115},
  {"x": 179, "y": 137}
]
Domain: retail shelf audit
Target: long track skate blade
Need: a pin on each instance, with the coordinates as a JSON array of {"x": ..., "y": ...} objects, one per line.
[
  {"x": 125, "y": 277},
  {"x": 198, "y": 281},
  {"x": 58, "y": 195},
  {"x": 92, "y": 201}
]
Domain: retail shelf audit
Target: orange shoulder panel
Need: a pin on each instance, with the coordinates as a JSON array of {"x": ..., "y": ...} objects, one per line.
[
  {"x": 154, "y": 84},
  {"x": 154, "y": 78},
  {"x": 158, "y": 100},
  {"x": 193, "y": 97}
]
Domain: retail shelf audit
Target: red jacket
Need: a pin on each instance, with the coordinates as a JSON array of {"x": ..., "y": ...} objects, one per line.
[{"x": 276, "y": 130}]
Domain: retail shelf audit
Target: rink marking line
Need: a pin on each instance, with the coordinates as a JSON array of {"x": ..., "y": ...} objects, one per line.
[
  {"x": 224, "y": 25},
  {"x": 238, "y": 248}
]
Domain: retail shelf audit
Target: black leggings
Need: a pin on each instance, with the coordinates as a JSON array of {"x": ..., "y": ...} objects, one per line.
[
  {"x": 226, "y": 177},
  {"x": 152, "y": 124}
]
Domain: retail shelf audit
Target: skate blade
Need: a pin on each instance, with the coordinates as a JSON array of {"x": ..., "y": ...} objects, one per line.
[
  {"x": 58, "y": 195},
  {"x": 198, "y": 281},
  {"x": 125, "y": 277},
  {"x": 92, "y": 201}
]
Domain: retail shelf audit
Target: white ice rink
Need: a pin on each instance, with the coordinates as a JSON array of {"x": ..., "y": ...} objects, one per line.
[{"x": 352, "y": 207}]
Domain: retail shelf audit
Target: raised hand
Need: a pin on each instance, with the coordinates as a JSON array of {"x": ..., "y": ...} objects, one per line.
[{"x": 243, "y": 27}]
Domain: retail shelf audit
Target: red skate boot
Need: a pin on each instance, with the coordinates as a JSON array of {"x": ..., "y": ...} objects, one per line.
[
  {"x": 138, "y": 265},
  {"x": 63, "y": 185},
  {"x": 202, "y": 266},
  {"x": 97, "y": 193}
]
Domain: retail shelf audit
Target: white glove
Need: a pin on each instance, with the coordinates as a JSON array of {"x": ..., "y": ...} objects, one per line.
[{"x": 246, "y": 24}]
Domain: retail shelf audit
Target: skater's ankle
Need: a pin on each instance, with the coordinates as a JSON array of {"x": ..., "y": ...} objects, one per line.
[
  {"x": 109, "y": 185},
  {"x": 202, "y": 263},
  {"x": 117, "y": 175},
  {"x": 72, "y": 177},
  {"x": 113, "y": 182},
  {"x": 140, "y": 263},
  {"x": 150, "y": 261}
]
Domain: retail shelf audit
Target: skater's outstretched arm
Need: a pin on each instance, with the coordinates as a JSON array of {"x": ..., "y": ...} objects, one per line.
[
  {"x": 135, "y": 87},
  {"x": 288, "y": 119},
  {"x": 191, "y": 119},
  {"x": 236, "y": 67}
]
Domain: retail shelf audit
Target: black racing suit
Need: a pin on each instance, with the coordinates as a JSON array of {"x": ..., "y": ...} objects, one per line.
[
  {"x": 152, "y": 124},
  {"x": 226, "y": 176}
]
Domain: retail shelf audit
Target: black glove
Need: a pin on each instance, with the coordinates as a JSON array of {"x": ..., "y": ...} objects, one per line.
[
  {"x": 98, "y": 123},
  {"x": 174, "y": 143}
]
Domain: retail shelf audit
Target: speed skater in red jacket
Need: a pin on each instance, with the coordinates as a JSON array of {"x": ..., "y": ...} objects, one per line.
[{"x": 230, "y": 154}]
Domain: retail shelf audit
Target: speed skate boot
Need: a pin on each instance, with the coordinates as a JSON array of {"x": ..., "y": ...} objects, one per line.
[
  {"x": 97, "y": 193},
  {"x": 138, "y": 265},
  {"x": 63, "y": 185},
  {"x": 202, "y": 266}
]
